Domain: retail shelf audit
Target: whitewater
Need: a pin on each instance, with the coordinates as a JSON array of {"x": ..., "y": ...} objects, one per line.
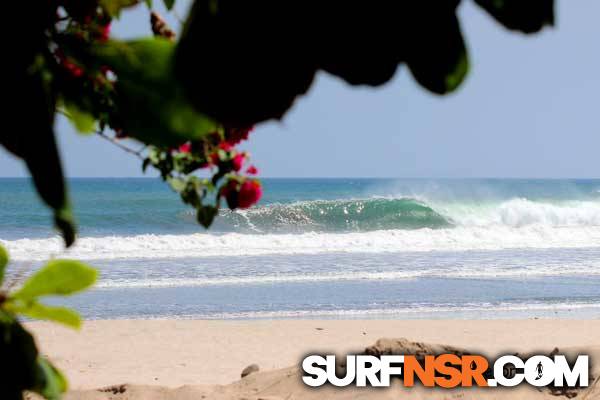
[
  {"x": 514, "y": 224},
  {"x": 387, "y": 248}
]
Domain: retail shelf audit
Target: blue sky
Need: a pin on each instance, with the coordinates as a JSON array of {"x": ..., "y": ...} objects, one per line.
[{"x": 529, "y": 108}]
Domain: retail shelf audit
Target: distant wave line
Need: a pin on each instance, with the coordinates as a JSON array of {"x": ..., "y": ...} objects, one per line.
[
  {"x": 410, "y": 311},
  {"x": 467, "y": 273}
]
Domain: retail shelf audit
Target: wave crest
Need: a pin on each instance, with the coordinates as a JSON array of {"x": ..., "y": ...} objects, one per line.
[
  {"x": 405, "y": 214},
  {"x": 521, "y": 212},
  {"x": 334, "y": 216}
]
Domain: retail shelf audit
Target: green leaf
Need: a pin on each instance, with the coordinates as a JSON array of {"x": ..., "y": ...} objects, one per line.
[
  {"x": 33, "y": 309},
  {"x": 169, "y": 4},
  {"x": 50, "y": 382},
  {"x": 3, "y": 262},
  {"x": 83, "y": 121},
  {"x": 177, "y": 184},
  {"x": 527, "y": 16},
  {"x": 57, "y": 277},
  {"x": 114, "y": 7},
  {"x": 148, "y": 3},
  {"x": 150, "y": 101}
]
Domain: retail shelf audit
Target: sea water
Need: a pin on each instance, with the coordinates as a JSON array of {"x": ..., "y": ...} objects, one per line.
[{"x": 326, "y": 248}]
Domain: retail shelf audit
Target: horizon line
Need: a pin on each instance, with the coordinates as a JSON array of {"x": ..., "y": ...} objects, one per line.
[{"x": 340, "y": 177}]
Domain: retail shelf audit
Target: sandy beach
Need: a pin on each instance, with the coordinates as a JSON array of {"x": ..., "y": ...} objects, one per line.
[{"x": 183, "y": 359}]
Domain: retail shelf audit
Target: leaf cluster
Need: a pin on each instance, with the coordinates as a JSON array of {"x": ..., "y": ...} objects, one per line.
[
  {"x": 25, "y": 368},
  {"x": 267, "y": 53}
]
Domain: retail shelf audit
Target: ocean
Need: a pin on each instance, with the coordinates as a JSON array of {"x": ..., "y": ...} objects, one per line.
[{"x": 326, "y": 248}]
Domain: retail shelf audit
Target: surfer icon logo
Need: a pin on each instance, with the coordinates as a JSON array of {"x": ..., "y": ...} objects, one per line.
[{"x": 540, "y": 370}]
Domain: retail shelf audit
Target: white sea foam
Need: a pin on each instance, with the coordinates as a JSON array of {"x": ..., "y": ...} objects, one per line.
[
  {"x": 482, "y": 272},
  {"x": 460, "y": 238},
  {"x": 523, "y": 212},
  {"x": 418, "y": 311}
]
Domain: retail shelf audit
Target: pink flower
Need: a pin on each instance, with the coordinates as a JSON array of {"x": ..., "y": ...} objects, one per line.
[
  {"x": 225, "y": 146},
  {"x": 238, "y": 161},
  {"x": 105, "y": 69},
  {"x": 244, "y": 196},
  {"x": 77, "y": 72},
  {"x": 249, "y": 194},
  {"x": 73, "y": 69},
  {"x": 252, "y": 170},
  {"x": 236, "y": 135},
  {"x": 104, "y": 32},
  {"x": 185, "y": 148}
]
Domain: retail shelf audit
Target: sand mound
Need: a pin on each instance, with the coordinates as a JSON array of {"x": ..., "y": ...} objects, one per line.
[{"x": 287, "y": 384}]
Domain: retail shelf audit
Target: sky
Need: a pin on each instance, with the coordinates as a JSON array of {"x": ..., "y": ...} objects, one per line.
[{"x": 528, "y": 109}]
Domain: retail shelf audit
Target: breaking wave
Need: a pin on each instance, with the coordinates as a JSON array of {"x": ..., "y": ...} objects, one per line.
[
  {"x": 405, "y": 213},
  {"x": 334, "y": 216},
  {"x": 352, "y": 226}
]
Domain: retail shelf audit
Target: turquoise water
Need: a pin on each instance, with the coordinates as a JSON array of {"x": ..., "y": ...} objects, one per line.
[{"x": 347, "y": 248}]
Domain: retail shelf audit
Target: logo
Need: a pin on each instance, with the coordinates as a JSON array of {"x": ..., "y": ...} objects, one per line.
[{"x": 447, "y": 371}]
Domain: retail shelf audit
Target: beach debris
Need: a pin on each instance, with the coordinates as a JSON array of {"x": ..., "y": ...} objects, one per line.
[
  {"x": 250, "y": 369},
  {"x": 405, "y": 346},
  {"x": 116, "y": 389}
]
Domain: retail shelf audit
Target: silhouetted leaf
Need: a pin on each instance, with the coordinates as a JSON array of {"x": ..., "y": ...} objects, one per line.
[
  {"x": 79, "y": 9},
  {"x": 189, "y": 194},
  {"x": 527, "y": 16},
  {"x": 34, "y": 142},
  {"x": 169, "y": 4},
  {"x": 359, "y": 41},
  {"x": 18, "y": 354},
  {"x": 114, "y": 7},
  {"x": 32, "y": 101},
  {"x": 437, "y": 56},
  {"x": 145, "y": 164},
  {"x": 242, "y": 62},
  {"x": 57, "y": 277},
  {"x": 257, "y": 74},
  {"x": 150, "y": 101},
  {"x": 65, "y": 223},
  {"x": 206, "y": 214},
  {"x": 424, "y": 33}
]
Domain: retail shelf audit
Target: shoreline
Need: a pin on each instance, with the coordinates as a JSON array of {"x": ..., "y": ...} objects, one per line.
[{"x": 173, "y": 353}]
